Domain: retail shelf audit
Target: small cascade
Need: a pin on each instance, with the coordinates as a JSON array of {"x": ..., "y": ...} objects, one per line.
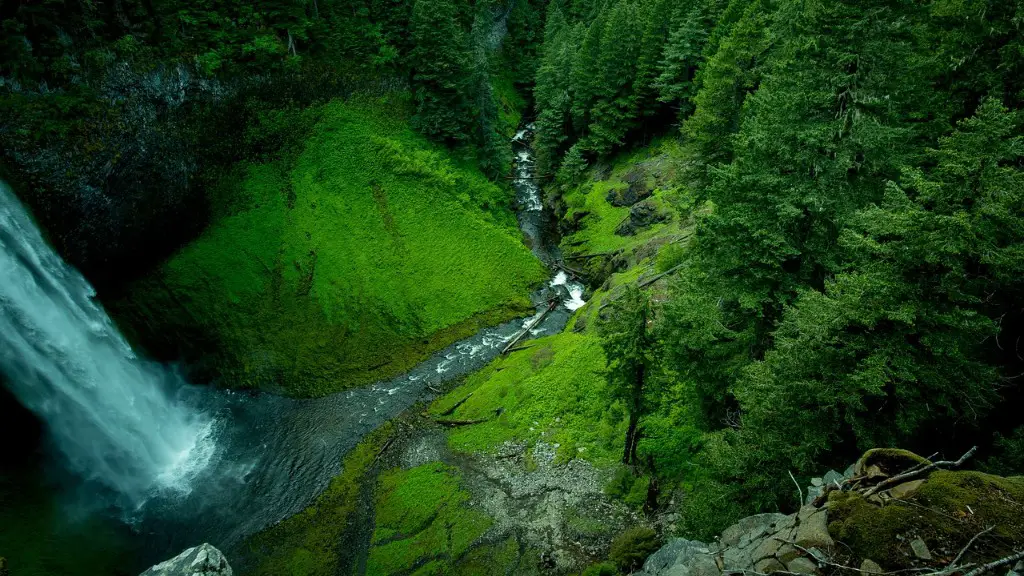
[{"x": 111, "y": 414}]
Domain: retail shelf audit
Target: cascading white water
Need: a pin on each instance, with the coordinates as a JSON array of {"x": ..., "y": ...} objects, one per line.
[{"x": 109, "y": 412}]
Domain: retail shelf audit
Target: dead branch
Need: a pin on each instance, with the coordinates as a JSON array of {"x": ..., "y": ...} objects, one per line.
[
  {"x": 969, "y": 544},
  {"x": 455, "y": 406},
  {"x": 901, "y": 478},
  {"x": 657, "y": 277},
  {"x": 455, "y": 423},
  {"x": 798, "y": 488},
  {"x": 382, "y": 449},
  {"x": 996, "y": 564}
]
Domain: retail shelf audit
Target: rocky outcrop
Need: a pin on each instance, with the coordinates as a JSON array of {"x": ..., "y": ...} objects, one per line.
[
  {"x": 202, "y": 560},
  {"x": 641, "y": 216},
  {"x": 870, "y": 517}
]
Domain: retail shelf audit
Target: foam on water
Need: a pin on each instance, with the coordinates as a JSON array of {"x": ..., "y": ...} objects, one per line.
[{"x": 112, "y": 415}]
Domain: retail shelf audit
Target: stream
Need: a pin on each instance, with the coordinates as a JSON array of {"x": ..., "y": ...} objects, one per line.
[{"x": 270, "y": 456}]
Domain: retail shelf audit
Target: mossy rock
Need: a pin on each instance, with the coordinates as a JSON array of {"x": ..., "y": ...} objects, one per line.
[
  {"x": 890, "y": 461},
  {"x": 946, "y": 512}
]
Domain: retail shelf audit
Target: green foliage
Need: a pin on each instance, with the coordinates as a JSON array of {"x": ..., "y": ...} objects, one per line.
[
  {"x": 441, "y": 64},
  {"x": 630, "y": 348},
  {"x": 338, "y": 270},
  {"x": 632, "y": 547},
  {"x": 602, "y": 569}
]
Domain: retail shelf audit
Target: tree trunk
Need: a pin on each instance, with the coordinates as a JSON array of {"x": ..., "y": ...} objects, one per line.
[{"x": 629, "y": 453}]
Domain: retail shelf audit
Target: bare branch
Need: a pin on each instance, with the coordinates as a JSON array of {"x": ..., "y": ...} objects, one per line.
[
  {"x": 900, "y": 478},
  {"x": 798, "y": 488},
  {"x": 969, "y": 544},
  {"x": 997, "y": 564}
]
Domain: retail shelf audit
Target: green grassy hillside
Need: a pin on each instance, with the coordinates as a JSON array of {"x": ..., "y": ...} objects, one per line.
[{"x": 373, "y": 249}]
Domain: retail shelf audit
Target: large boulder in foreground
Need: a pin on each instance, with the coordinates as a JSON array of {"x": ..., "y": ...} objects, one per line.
[{"x": 202, "y": 560}]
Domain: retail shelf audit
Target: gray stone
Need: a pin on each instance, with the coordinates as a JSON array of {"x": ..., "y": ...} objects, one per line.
[
  {"x": 802, "y": 565},
  {"x": 850, "y": 471},
  {"x": 768, "y": 565},
  {"x": 768, "y": 547},
  {"x": 817, "y": 482},
  {"x": 869, "y": 566},
  {"x": 704, "y": 565},
  {"x": 812, "y": 494},
  {"x": 813, "y": 529},
  {"x": 787, "y": 552},
  {"x": 731, "y": 536},
  {"x": 920, "y": 549},
  {"x": 832, "y": 477},
  {"x": 677, "y": 551},
  {"x": 736, "y": 559},
  {"x": 202, "y": 560}
]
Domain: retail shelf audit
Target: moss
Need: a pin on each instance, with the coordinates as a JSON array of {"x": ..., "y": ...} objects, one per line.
[
  {"x": 422, "y": 517},
  {"x": 307, "y": 544},
  {"x": 889, "y": 460},
  {"x": 552, "y": 391},
  {"x": 632, "y": 547},
  {"x": 498, "y": 558},
  {"x": 341, "y": 268},
  {"x": 946, "y": 512}
]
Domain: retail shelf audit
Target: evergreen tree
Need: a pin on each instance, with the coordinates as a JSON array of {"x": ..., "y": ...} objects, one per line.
[
  {"x": 657, "y": 16},
  {"x": 614, "y": 111},
  {"x": 629, "y": 346},
  {"x": 680, "y": 59},
  {"x": 440, "y": 70}
]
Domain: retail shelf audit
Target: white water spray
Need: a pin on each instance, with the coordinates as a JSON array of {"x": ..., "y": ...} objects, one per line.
[{"x": 109, "y": 412}]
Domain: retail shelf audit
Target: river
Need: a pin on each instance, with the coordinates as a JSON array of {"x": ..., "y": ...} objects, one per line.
[{"x": 269, "y": 456}]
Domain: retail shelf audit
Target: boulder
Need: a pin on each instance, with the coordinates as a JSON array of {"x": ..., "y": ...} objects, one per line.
[
  {"x": 202, "y": 560},
  {"x": 641, "y": 216},
  {"x": 869, "y": 566},
  {"x": 802, "y": 565},
  {"x": 677, "y": 551},
  {"x": 813, "y": 529},
  {"x": 756, "y": 524}
]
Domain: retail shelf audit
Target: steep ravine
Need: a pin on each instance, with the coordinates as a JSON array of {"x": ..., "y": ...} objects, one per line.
[{"x": 274, "y": 454}]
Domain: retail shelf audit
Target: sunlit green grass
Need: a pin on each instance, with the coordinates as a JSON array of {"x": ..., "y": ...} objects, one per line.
[{"x": 370, "y": 251}]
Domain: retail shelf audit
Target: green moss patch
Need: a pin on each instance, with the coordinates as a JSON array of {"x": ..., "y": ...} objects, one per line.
[
  {"x": 551, "y": 391},
  {"x": 946, "y": 512},
  {"x": 372, "y": 250},
  {"x": 422, "y": 520}
]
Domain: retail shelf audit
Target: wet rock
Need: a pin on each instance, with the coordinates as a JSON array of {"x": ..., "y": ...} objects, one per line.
[
  {"x": 920, "y": 549},
  {"x": 641, "y": 216},
  {"x": 869, "y": 566},
  {"x": 202, "y": 560}
]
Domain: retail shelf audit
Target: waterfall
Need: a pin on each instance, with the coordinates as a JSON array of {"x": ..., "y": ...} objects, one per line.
[{"x": 110, "y": 413}]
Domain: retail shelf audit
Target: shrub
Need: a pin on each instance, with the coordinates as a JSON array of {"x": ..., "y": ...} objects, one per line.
[{"x": 632, "y": 547}]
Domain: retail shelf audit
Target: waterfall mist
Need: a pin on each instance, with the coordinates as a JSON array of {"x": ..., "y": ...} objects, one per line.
[{"x": 111, "y": 414}]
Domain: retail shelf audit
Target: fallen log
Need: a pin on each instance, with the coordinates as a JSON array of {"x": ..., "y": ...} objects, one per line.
[
  {"x": 454, "y": 423},
  {"x": 508, "y": 347},
  {"x": 455, "y": 406},
  {"x": 589, "y": 256}
]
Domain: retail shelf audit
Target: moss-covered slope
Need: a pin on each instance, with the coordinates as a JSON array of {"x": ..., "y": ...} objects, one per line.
[{"x": 373, "y": 249}]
